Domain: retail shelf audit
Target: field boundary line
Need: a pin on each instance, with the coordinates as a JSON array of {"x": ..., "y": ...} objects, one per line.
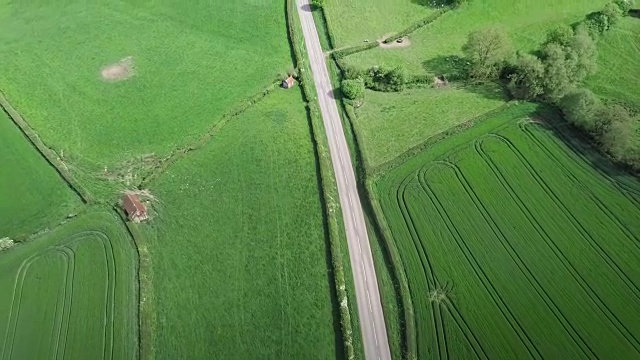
[
  {"x": 180, "y": 152},
  {"x": 45, "y": 151},
  {"x": 144, "y": 288},
  {"x": 389, "y": 165},
  {"x": 429, "y": 19},
  {"x": 331, "y": 205}
]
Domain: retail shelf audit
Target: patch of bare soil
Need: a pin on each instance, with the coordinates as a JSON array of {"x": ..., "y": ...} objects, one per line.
[
  {"x": 402, "y": 42},
  {"x": 122, "y": 70}
]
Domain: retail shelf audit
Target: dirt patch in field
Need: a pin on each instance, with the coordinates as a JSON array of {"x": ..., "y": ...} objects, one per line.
[
  {"x": 122, "y": 70},
  {"x": 402, "y": 42}
]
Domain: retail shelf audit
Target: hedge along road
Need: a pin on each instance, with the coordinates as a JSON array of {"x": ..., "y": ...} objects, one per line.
[{"x": 374, "y": 331}]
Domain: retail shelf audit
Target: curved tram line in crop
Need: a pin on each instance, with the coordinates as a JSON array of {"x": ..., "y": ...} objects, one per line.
[
  {"x": 597, "y": 300},
  {"x": 418, "y": 180},
  {"x": 64, "y": 301}
]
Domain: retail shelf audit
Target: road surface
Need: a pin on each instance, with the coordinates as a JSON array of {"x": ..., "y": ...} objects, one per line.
[{"x": 374, "y": 331}]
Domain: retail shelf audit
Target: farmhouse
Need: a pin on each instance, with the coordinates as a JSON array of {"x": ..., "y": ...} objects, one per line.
[
  {"x": 136, "y": 211},
  {"x": 288, "y": 82}
]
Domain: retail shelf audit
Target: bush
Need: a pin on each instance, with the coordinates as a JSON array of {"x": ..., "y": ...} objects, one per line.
[
  {"x": 353, "y": 89},
  {"x": 526, "y": 81},
  {"x": 6, "y": 243},
  {"x": 384, "y": 79},
  {"x": 582, "y": 109},
  {"x": 624, "y": 6}
]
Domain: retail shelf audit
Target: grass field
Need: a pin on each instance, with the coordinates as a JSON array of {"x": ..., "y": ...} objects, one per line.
[
  {"x": 71, "y": 293},
  {"x": 525, "y": 21},
  {"x": 516, "y": 245},
  {"x": 32, "y": 194},
  {"x": 618, "y": 62},
  {"x": 354, "y": 21},
  {"x": 190, "y": 62},
  {"x": 238, "y": 249},
  {"x": 391, "y": 123}
]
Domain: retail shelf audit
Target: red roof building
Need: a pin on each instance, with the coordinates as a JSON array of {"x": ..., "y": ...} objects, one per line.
[
  {"x": 288, "y": 82},
  {"x": 136, "y": 210}
]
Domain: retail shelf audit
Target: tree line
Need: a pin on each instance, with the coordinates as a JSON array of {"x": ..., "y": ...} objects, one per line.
[{"x": 554, "y": 74}]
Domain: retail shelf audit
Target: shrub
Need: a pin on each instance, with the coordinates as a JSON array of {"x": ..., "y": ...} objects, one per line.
[
  {"x": 353, "y": 89},
  {"x": 6, "y": 243},
  {"x": 582, "y": 108},
  {"x": 624, "y": 6},
  {"x": 527, "y": 78},
  {"x": 385, "y": 79}
]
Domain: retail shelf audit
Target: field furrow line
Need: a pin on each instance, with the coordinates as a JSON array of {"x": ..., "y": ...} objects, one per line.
[
  {"x": 524, "y": 269},
  {"x": 624, "y": 188},
  {"x": 466, "y": 330},
  {"x": 562, "y": 257},
  {"x": 482, "y": 276},
  {"x": 434, "y": 283},
  {"x": 574, "y": 221},
  {"x": 594, "y": 199},
  {"x": 110, "y": 296}
]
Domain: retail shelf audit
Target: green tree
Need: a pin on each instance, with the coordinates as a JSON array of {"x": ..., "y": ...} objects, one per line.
[
  {"x": 557, "y": 78},
  {"x": 353, "y": 89},
  {"x": 581, "y": 55},
  {"x": 619, "y": 138},
  {"x": 527, "y": 80},
  {"x": 317, "y": 3},
  {"x": 582, "y": 108},
  {"x": 561, "y": 34},
  {"x": 486, "y": 51}
]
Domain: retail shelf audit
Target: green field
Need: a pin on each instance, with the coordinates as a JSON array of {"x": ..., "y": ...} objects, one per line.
[
  {"x": 237, "y": 247},
  {"x": 191, "y": 62},
  {"x": 391, "y": 123},
  {"x": 516, "y": 245},
  {"x": 526, "y": 23},
  {"x": 618, "y": 62},
  {"x": 32, "y": 194},
  {"x": 71, "y": 293},
  {"x": 354, "y": 21}
]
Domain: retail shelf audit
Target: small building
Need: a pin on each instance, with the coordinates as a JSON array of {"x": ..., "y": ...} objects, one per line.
[
  {"x": 135, "y": 209},
  {"x": 288, "y": 82}
]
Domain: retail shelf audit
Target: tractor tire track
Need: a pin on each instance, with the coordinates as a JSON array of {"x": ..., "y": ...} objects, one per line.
[
  {"x": 480, "y": 273},
  {"x": 593, "y": 296},
  {"x": 524, "y": 269}
]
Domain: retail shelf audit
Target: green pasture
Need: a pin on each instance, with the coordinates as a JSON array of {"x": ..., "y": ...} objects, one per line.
[
  {"x": 353, "y": 21},
  {"x": 32, "y": 195},
  {"x": 618, "y": 63},
  {"x": 389, "y": 124},
  {"x": 517, "y": 243},
  {"x": 239, "y": 255},
  {"x": 525, "y": 21},
  {"x": 71, "y": 293},
  {"x": 191, "y": 62}
]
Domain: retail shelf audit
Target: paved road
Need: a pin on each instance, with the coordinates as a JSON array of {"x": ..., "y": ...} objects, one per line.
[{"x": 374, "y": 332}]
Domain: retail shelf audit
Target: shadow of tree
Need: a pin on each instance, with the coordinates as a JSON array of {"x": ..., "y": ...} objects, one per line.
[{"x": 453, "y": 67}]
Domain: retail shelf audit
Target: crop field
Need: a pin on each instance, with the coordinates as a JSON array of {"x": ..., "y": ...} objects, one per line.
[
  {"x": 383, "y": 125},
  {"x": 238, "y": 249},
  {"x": 32, "y": 193},
  {"x": 106, "y": 82},
  {"x": 516, "y": 245},
  {"x": 354, "y": 21},
  {"x": 71, "y": 293},
  {"x": 618, "y": 63},
  {"x": 525, "y": 21}
]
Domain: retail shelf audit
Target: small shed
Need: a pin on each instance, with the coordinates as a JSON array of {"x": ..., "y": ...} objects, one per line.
[
  {"x": 288, "y": 82},
  {"x": 136, "y": 210}
]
